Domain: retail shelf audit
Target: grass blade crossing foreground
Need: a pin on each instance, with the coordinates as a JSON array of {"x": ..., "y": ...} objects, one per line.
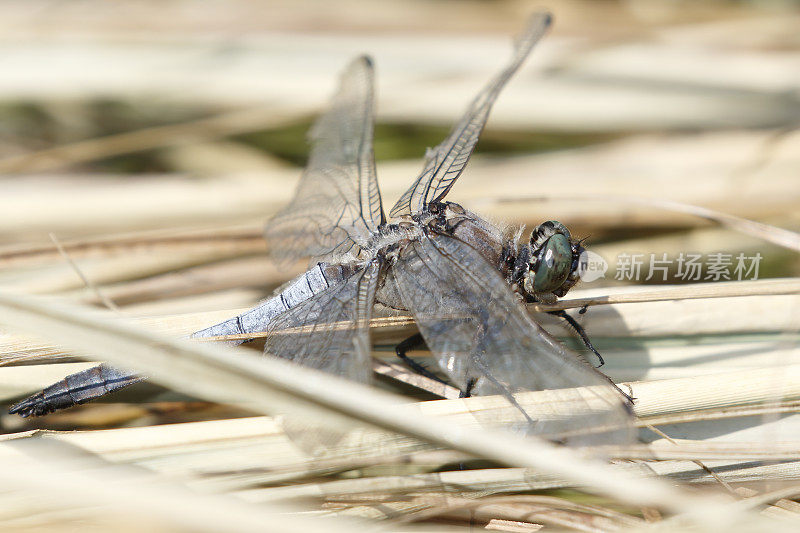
[{"x": 270, "y": 385}]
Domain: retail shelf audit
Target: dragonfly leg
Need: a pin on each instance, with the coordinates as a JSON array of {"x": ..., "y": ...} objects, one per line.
[
  {"x": 411, "y": 343},
  {"x": 581, "y": 333},
  {"x": 585, "y": 338},
  {"x": 466, "y": 393},
  {"x": 479, "y": 351},
  {"x": 75, "y": 389}
]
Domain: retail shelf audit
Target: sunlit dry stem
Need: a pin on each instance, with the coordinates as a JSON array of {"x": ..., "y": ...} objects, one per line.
[{"x": 727, "y": 289}]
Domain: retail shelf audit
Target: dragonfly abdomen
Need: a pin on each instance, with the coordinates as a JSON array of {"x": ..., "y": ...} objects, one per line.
[
  {"x": 100, "y": 380},
  {"x": 75, "y": 389},
  {"x": 257, "y": 320}
]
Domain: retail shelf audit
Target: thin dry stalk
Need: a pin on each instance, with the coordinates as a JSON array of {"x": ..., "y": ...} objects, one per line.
[
  {"x": 723, "y": 289},
  {"x": 767, "y": 232},
  {"x": 235, "y": 122},
  {"x": 94, "y": 288},
  {"x": 244, "y": 240}
]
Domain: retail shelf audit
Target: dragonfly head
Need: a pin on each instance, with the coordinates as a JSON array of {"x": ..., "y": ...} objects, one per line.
[{"x": 553, "y": 263}]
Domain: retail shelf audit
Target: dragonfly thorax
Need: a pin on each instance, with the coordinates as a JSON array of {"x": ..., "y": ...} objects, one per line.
[{"x": 391, "y": 237}]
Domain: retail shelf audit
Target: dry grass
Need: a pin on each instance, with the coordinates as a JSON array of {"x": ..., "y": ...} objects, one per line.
[{"x": 156, "y": 179}]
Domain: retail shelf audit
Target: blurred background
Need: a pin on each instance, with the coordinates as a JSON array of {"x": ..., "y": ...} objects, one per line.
[
  {"x": 144, "y": 144},
  {"x": 154, "y": 139}
]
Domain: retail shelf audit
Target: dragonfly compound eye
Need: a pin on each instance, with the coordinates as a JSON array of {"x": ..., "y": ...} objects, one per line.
[{"x": 552, "y": 267}]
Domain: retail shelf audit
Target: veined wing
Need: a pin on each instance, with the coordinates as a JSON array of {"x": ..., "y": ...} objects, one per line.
[
  {"x": 444, "y": 164},
  {"x": 482, "y": 336},
  {"x": 330, "y": 331},
  {"x": 337, "y": 205}
]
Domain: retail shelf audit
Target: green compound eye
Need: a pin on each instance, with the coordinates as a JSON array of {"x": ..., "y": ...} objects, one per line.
[{"x": 554, "y": 264}]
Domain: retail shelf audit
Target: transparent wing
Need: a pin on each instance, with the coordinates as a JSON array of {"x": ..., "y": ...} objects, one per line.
[
  {"x": 482, "y": 335},
  {"x": 337, "y": 205},
  {"x": 444, "y": 164},
  {"x": 330, "y": 331}
]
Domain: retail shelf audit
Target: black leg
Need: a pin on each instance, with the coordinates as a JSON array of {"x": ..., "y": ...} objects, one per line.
[
  {"x": 579, "y": 329},
  {"x": 581, "y": 333},
  {"x": 413, "y": 342},
  {"x": 468, "y": 392}
]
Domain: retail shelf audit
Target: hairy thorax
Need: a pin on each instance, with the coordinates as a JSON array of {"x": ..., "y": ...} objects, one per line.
[{"x": 443, "y": 218}]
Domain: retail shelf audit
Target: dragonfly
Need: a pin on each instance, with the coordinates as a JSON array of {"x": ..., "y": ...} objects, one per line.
[{"x": 463, "y": 280}]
